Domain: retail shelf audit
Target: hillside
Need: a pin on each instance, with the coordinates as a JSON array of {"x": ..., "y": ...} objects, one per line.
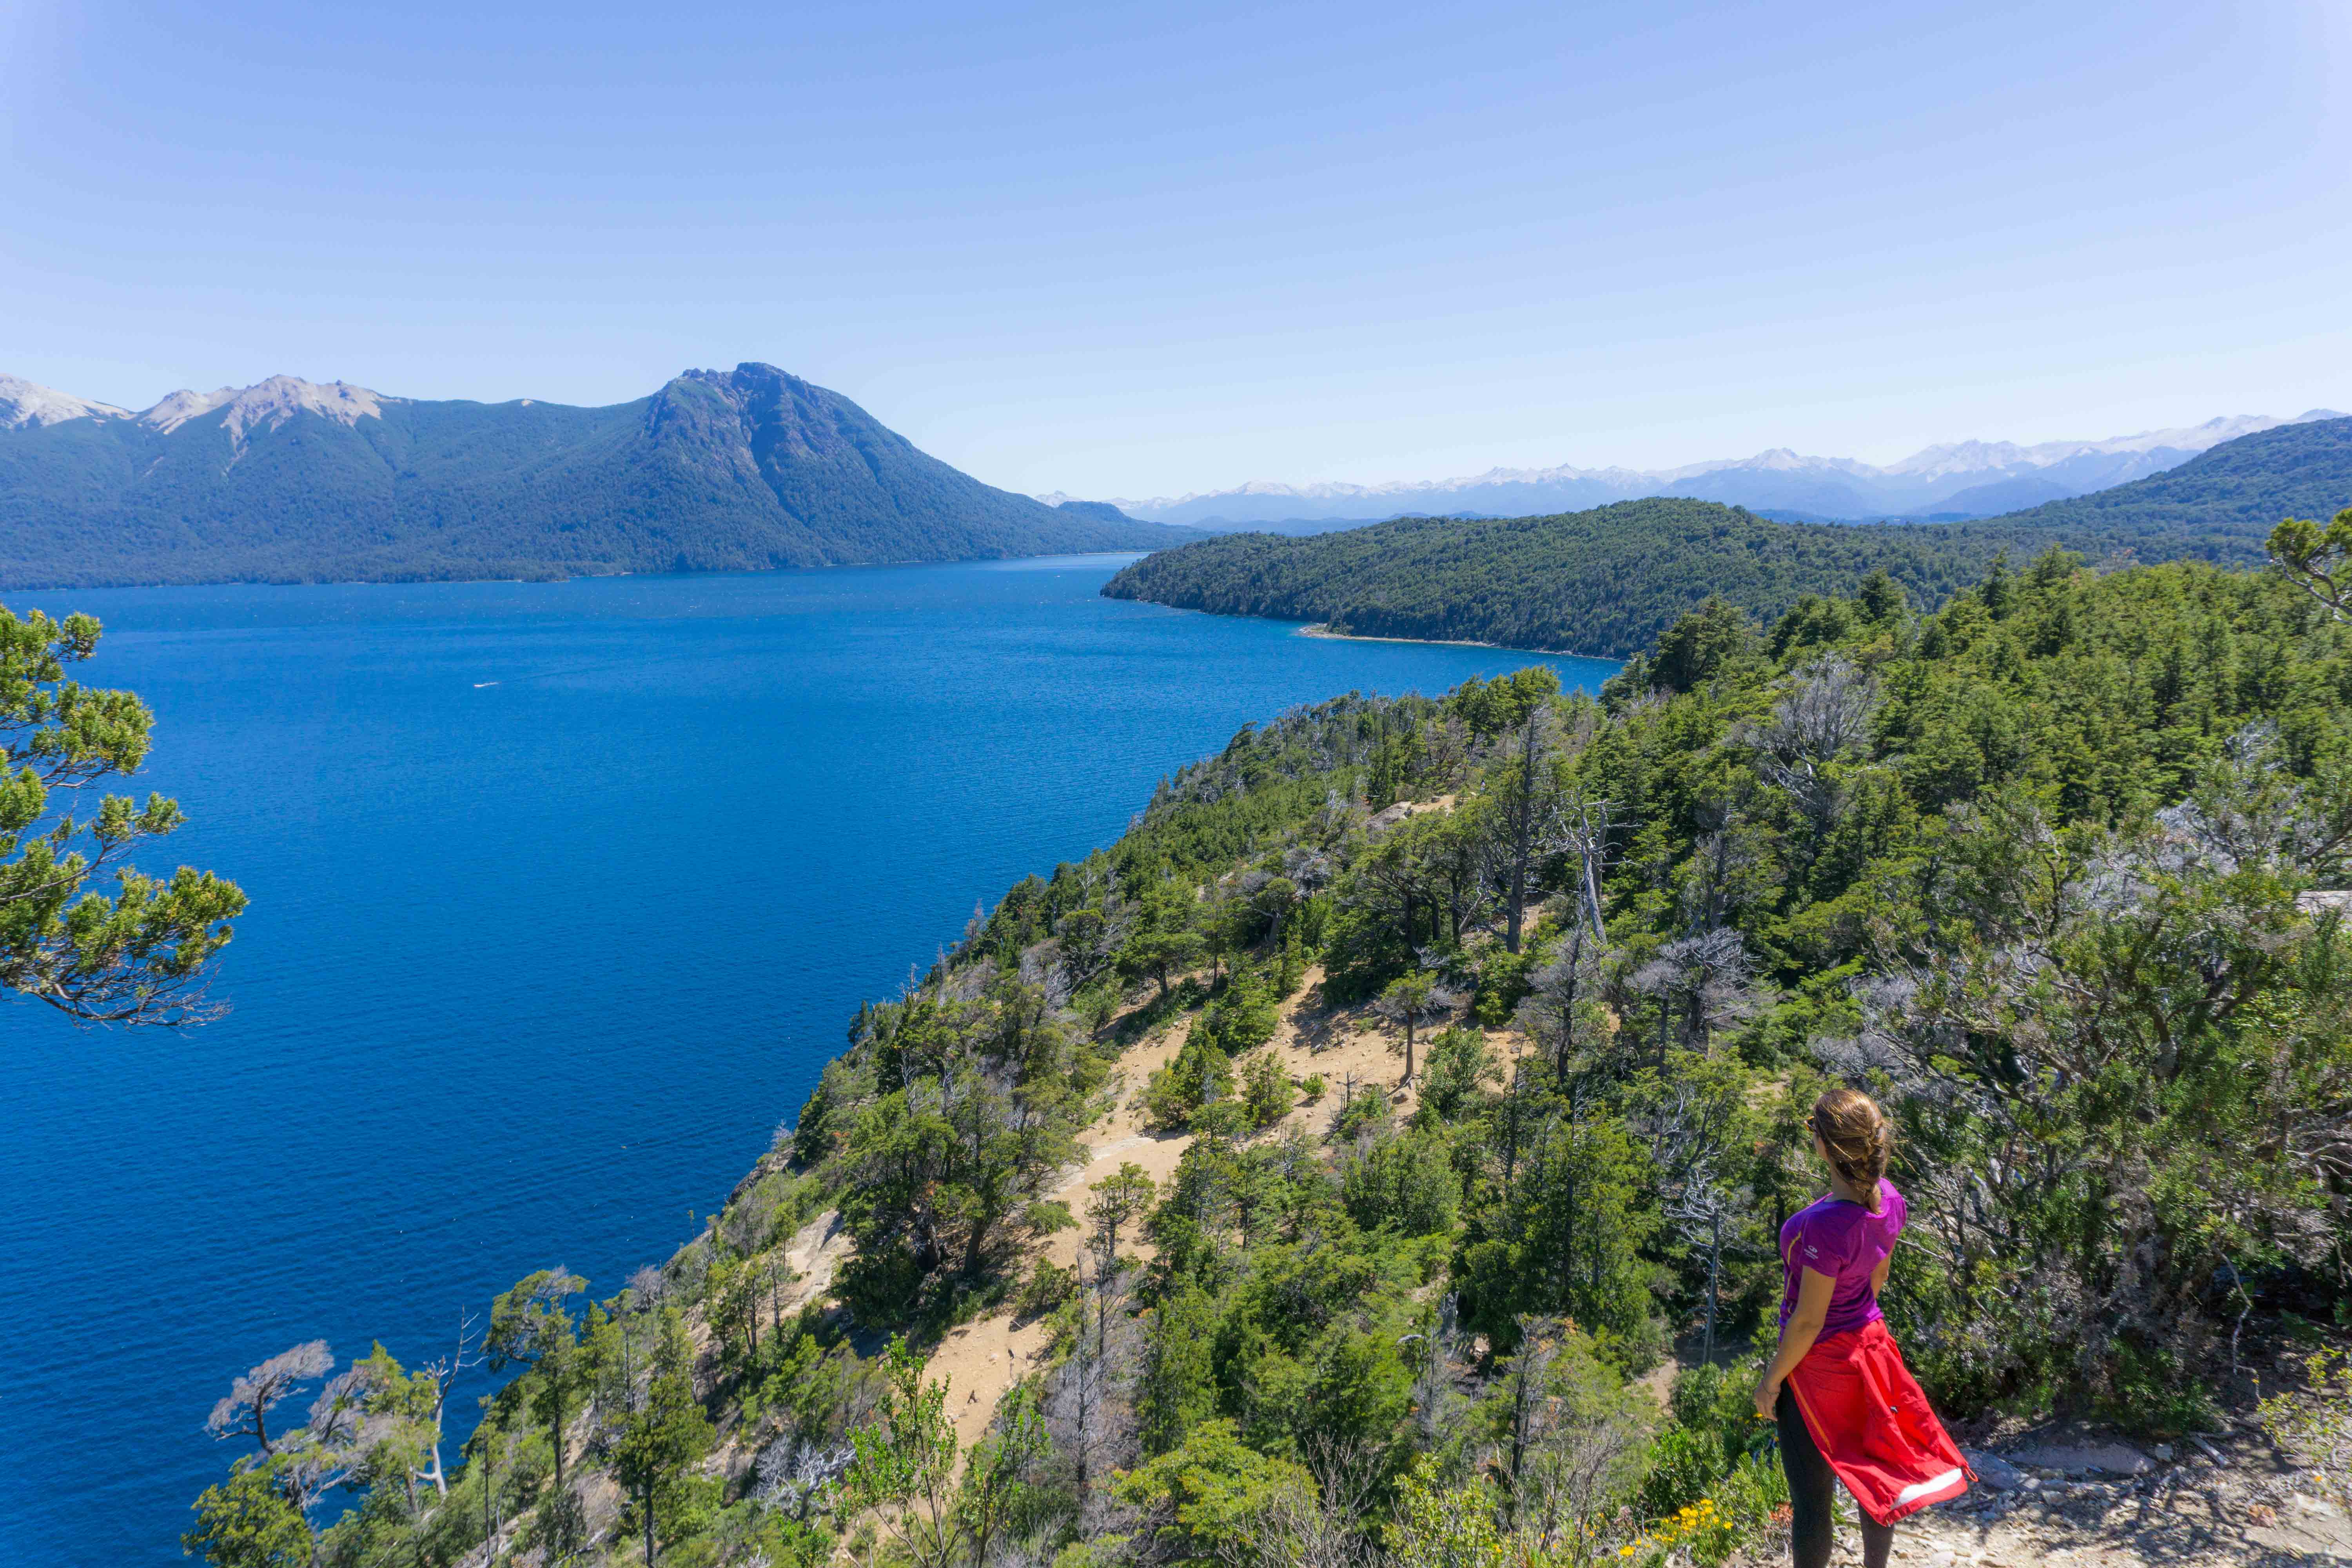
[
  {"x": 1352, "y": 1165},
  {"x": 2220, "y": 505},
  {"x": 747, "y": 469},
  {"x": 1604, "y": 582},
  {"x": 1607, "y": 581}
]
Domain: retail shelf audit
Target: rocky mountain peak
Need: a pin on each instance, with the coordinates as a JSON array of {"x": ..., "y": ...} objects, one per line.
[
  {"x": 24, "y": 402},
  {"x": 268, "y": 403}
]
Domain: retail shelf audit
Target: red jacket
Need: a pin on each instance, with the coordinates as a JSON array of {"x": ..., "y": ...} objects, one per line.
[{"x": 1873, "y": 1425}]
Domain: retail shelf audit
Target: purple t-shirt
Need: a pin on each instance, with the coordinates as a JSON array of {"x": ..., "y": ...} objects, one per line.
[{"x": 1844, "y": 1241}]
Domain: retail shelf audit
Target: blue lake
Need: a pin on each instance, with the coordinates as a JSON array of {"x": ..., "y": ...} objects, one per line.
[{"x": 562, "y": 895}]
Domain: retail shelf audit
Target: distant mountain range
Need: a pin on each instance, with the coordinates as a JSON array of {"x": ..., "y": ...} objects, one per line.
[
  {"x": 1945, "y": 483},
  {"x": 1607, "y": 580},
  {"x": 289, "y": 481}
]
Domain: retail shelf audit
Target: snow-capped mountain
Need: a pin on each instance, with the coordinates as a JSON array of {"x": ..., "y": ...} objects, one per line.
[
  {"x": 267, "y": 404},
  {"x": 24, "y": 402},
  {"x": 1979, "y": 478}
]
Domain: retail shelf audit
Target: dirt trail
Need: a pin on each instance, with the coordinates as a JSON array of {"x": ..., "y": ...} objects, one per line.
[{"x": 983, "y": 1359}]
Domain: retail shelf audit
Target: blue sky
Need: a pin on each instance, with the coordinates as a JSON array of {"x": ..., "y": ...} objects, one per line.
[{"x": 1125, "y": 250}]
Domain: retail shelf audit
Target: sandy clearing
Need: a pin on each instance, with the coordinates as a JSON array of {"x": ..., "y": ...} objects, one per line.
[
  {"x": 815, "y": 1251},
  {"x": 983, "y": 1359},
  {"x": 980, "y": 1361}
]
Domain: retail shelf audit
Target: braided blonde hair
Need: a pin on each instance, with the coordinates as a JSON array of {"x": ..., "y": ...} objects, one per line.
[{"x": 1857, "y": 1135}]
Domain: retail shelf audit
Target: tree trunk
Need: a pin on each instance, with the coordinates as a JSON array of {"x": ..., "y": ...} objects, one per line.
[
  {"x": 1518, "y": 901},
  {"x": 1523, "y": 830},
  {"x": 1591, "y": 885},
  {"x": 649, "y": 1527},
  {"x": 1713, "y": 1271}
]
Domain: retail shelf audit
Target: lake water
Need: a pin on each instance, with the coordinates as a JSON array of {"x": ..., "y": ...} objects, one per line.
[{"x": 562, "y": 895}]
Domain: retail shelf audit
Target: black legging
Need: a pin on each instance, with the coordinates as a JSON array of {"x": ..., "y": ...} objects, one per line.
[{"x": 1812, "y": 1493}]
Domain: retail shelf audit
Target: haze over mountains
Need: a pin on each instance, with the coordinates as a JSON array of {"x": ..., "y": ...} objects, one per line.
[
  {"x": 290, "y": 480},
  {"x": 1958, "y": 479}
]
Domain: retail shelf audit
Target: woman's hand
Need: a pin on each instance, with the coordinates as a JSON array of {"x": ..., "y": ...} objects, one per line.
[{"x": 1767, "y": 1396}]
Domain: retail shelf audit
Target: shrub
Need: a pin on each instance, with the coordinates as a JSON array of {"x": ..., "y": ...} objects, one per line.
[
  {"x": 1266, "y": 1093},
  {"x": 1201, "y": 1072},
  {"x": 1459, "y": 1063},
  {"x": 1047, "y": 1287},
  {"x": 1366, "y": 1112},
  {"x": 1405, "y": 1182},
  {"x": 1242, "y": 1018},
  {"x": 2317, "y": 1428}
]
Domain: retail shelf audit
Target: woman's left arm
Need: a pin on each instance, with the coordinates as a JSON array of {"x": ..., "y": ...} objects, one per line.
[
  {"x": 1878, "y": 1274},
  {"x": 1814, "y": 1289}
]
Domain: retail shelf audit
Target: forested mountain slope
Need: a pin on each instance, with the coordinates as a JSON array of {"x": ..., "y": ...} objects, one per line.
[
  {"x": 1604, "y": 582},
  {"x": 1609, "y": 580},
  {"x": 2218, "y": 506},
  {"x": 745, "y": 469},
  {"x": 2031, "y": 869}
]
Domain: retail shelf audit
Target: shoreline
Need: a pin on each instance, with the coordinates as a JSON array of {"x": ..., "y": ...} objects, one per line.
[{"x": 1323, "y": 629}]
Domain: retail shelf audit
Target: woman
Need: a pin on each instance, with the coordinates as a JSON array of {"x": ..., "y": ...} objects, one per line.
[{"x": 1846, "y": 1406}]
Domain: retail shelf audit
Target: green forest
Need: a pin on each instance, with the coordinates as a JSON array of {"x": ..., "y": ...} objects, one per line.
[
  {"x": 2032, "y": 866},
  {"x": 1607, "y": 582},
  {"x": 1603, "y": 582}
]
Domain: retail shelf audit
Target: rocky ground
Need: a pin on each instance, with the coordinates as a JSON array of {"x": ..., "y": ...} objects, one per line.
[{"x": 2076, "y": 1499}]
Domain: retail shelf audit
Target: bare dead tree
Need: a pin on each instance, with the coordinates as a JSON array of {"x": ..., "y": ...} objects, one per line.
[
  {"x": 1525, "y": 807},
  {"x": 1088, "y": 1398},
  {"x": 1825, "y": 714},
  {"x": 244, "y": 1411},
  {"x": 1568, "y": 1440},
  {"x": 1119, "y": 1199},
  {"x": 443, "y": 1372},
  {"x": 1689, "y": 1133},
  {"x": 315, "y": 1458},
  {"x": 792, "y": 1475},
  {"x": 1702, "y": 983},
  {"x": 1580, "y": 826},
  {"x": 648, "y": 1287},
  {"x": 1437, "y": 1402},
  {"x": 1527, "y": 1405},
  {"x": 1561, "y": 1011},
  {"x": 1318, "y": 1527},
  {"x": 2253, "y": 813}
]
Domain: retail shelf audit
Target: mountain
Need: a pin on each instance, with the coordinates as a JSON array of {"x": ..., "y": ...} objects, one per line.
[
  {"x": 1945, "y": 479},
  {"x": 289, "y": 481},
  {"x": 22, "y": 403},
  {"x": 1608, "y": 580},
  {"x": 2000, "y": 496},
  {"x": 2221, "y": 505}
]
